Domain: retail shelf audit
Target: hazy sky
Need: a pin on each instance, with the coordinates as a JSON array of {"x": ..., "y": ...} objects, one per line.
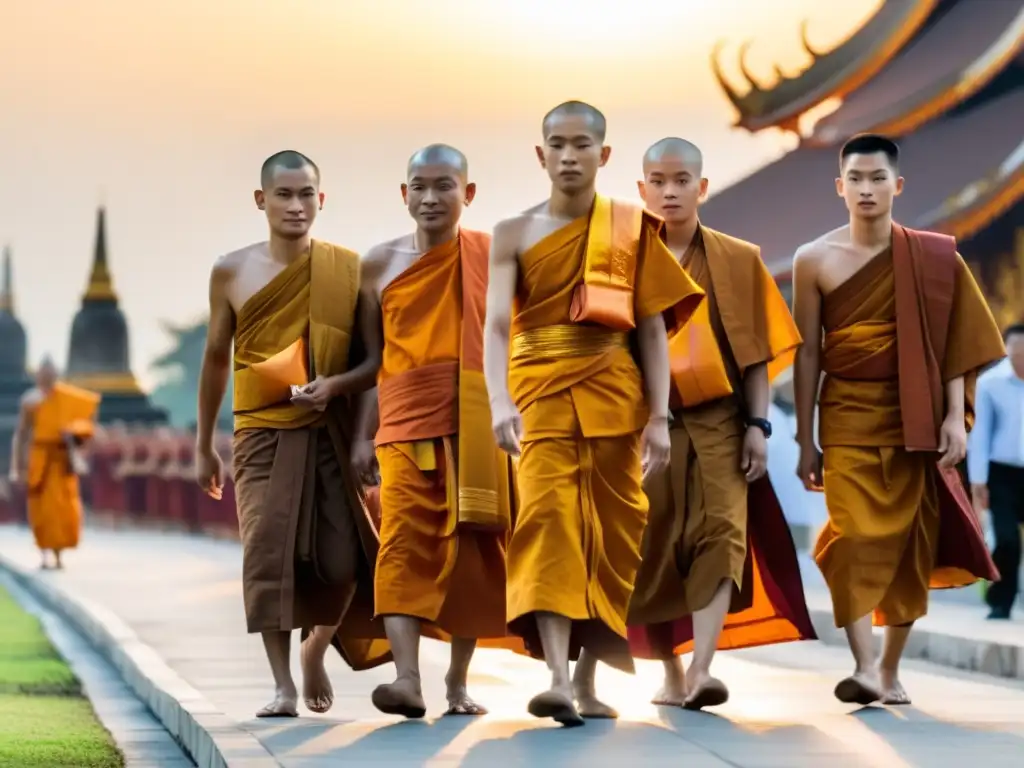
[{"x": 164, "y": 110}]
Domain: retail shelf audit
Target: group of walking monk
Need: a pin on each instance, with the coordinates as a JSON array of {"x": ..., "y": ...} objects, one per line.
[{"x": 553, "y": 439}]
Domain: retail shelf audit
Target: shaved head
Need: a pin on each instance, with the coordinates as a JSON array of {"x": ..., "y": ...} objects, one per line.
[
  {"x": 288, "y": 160},
  {"x": 594, "y": 117},
  {"x": 439, "y": 154},
  {"x": 673, "y": 148}
]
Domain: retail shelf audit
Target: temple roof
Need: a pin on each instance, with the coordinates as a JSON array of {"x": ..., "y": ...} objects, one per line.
[
  {"x": 957, "y": 54},
  {"x": 832, "y": 74},
  {"x": 98, "y": 353},
  {"x": 13, "y": 340},
  {"x": 793, "y": 200}
]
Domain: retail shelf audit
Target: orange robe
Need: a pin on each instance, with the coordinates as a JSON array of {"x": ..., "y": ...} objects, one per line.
[
  {"x": 706, "y": 523},
  {"x": 901, "y": 327},
  {"x": 63, "y": 416},
  {"x": 444, "y": 492},
  {"x": 581, "y": 510},
  {"x": 307, "y": 542}
]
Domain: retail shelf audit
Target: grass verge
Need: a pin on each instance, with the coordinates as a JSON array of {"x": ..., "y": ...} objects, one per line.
[{"x": 45, "y": 721}]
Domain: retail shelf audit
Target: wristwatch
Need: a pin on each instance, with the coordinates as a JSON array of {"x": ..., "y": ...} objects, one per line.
[{"x": 763, "y": 424}]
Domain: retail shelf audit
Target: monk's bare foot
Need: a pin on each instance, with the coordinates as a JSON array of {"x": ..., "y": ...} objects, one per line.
[
  {"x": 402, "y": 697},
  {"x": 703, "y": 690},
  {"x": 317, "y": 693},
  {"x": 556, "y": 704},
  {"x": 57, "y": 563},
  {"x": 861, "y": 688},
  {"x": 459, "y": 701},
  {"x": 285, "y": 704},
  {"x": 673, "y": 692},
  {"x": 893, "y": 692},
  {"x": 589, "y": 706}
]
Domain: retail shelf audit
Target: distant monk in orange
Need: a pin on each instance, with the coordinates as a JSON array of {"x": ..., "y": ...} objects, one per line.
[
  {"x": 55, "y": 420},
  {"x": 905, "y": 332},
  {"x": 444, "y": 483},
  {"x": 289, "y": 305},
  {"x": 585, "y": 272},
  {"x": 717, "y": 543}
]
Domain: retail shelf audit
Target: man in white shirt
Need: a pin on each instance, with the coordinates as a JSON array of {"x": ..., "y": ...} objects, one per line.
[{"x": 995, "y": 466}]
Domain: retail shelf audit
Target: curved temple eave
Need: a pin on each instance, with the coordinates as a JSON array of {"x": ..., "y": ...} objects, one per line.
[
  {"x": 978, "y": 206},
  {"x": 781, "y": 105},
  {"x": 913, "y": 112}
]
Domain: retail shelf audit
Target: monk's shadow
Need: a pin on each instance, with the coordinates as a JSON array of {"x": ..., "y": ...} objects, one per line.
[
  {"x": 598, "y": 743},
  {"x": 921, "y": 739},
  {"x": 768, "y": 743},
  {"x": 406, "y": 742}
]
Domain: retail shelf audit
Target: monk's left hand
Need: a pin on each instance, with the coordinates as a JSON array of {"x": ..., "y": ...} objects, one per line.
[
  {"x": 657, "y": 446},
  {"x": 754, "y": 461},
  {"x": 315, "y": 395},
  {"x": 952, "y": 442}
]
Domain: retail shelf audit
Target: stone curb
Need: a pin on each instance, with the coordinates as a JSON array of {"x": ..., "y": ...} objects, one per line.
[
  {"x": 210, "y": 738},
  {"x": 990, "y": 657}
]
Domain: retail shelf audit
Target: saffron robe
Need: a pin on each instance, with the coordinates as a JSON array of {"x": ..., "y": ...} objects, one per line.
[
  {"x": 306, "y": 539},
  {"x": 444, "y": 500},
  {"x": 706, "y": 523},
  {"x": 902, "y": 326},
  {"x": 581, "y": 510},
  {"x": 62, "y": 417}
]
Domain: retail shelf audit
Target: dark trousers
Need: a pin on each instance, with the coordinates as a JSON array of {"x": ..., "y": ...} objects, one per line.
[{"x": 1006, "y": 503}]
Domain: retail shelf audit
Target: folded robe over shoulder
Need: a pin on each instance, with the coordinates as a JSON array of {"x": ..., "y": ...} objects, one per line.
[
  {"x": 306, "y": 536},
  {"x": 901, "y": 327},
  {"x": 706, "y": 524},
  {"x": 581, "y": 511}
]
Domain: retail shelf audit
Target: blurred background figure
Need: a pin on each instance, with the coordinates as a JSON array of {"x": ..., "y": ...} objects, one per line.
[
  {"x": 55, "y": 420},
  {"x": 995, "y": 466}
]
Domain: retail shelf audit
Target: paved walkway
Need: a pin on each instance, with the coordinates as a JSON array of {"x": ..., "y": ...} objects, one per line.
[{"x": 179, "y": 599}]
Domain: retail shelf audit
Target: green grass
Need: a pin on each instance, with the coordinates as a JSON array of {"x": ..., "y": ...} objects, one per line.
[{"x": 45, "y": 722}]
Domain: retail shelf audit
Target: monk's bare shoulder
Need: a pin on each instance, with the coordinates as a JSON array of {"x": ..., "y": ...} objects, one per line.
[
  {"x": 31, "y": 398},
  {"x": 376, "y": 264},
  {"x": 810, "y": 255},
  {"x": 507, "y": 236},
  {"x": 517, "y": 233},
  {"x": 226, "y": 267}
]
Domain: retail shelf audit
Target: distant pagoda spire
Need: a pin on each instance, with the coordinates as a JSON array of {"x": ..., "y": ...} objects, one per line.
[
  {"x": 7, "y": 288},
  {"x": 101, "y": 285}
]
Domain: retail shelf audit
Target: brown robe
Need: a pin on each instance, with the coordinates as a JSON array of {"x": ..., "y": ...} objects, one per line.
[
  {"x": 706, "y": 524},
  {"x": 307, "y": 541},
  {"x": 906, "y": 323}
]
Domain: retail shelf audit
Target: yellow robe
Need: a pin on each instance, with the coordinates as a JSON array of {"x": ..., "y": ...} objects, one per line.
[
  {"x": 307, "y": 541},
  {"x": 879, "y": 550},
  {"x": 444, "y": 493},
  {"x": 64, "y": 415},
  {"x": 697, "y": 533},
  {"x": 581, "y": 511}
]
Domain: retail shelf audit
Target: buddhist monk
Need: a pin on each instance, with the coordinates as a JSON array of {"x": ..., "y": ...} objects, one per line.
[
  {"x": 444, "y": 483},
  {"x": 289, "y": 305},
  {"x": 570, "y": 280},
  {"x": 896, "y": 322},
  {"x": 55, "y": 419},
  {"x": 701, "y": 559}
]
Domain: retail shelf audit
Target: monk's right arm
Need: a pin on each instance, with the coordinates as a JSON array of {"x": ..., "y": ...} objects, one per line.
[
  {"x": 370, "y": 320},
  {"x": 19, "y": 444},
  {"x": 501, "y": 282},
  {"x": 213, "y": 377},
  {"x": 807, "y": 367}
]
